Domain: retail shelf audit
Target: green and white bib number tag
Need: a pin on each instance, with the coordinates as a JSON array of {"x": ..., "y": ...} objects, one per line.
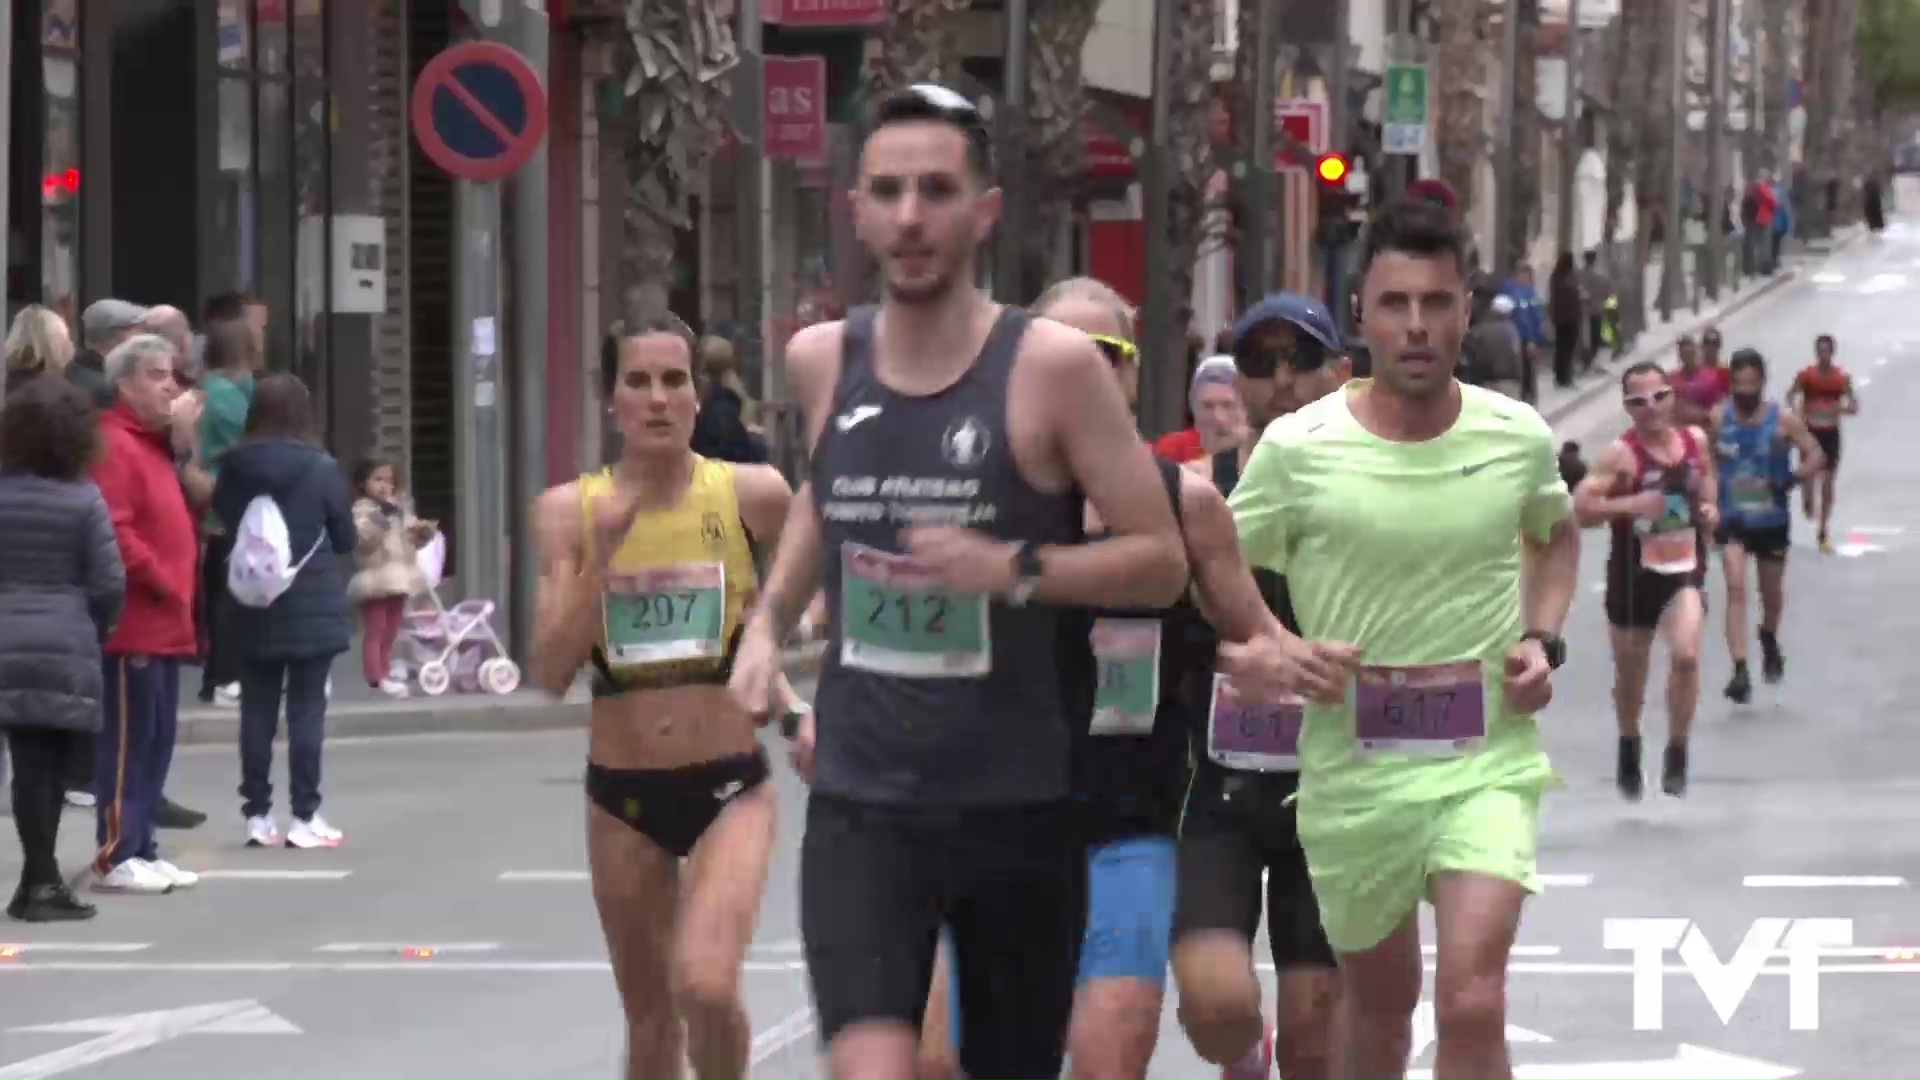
[
  {"x": 896, "y": 619},
  {"x": 1752, "y": 493},
  {"x": 666, "y": 614},
  {"x": 1126, "y": 652},
  {"x": 1823, "y": 414}
]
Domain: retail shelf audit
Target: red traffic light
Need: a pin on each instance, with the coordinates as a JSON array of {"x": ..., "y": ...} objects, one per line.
[{"x": 1331, "y": 168}]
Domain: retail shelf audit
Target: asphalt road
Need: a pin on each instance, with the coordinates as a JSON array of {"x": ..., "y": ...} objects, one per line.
[{"x": 1805, "y": 805}]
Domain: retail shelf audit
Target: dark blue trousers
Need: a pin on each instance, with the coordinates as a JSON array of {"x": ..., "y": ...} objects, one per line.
[{"x": 134, "y": 753}]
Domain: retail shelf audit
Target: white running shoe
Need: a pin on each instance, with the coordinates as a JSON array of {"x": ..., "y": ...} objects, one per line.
[
  {"x": 228, "y": 696},
  {"x": 314, "y": 832},
  {"x": 82, "y": 799},
  {"x": 182, "y": 879},
  {"x": 261, "y": 831},
  {"x": 396, "y": 688},
  {"x": 134, "y": 876}
]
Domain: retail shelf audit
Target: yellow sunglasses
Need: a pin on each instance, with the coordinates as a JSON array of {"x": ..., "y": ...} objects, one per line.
[{"x": 1118, "y": 351}]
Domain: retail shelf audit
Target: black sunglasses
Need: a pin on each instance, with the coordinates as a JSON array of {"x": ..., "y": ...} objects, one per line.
[{"x": 1262, "y": 363}]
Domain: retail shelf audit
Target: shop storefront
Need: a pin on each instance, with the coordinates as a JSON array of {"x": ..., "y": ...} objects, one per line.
[{"x": 44, "y": 253}]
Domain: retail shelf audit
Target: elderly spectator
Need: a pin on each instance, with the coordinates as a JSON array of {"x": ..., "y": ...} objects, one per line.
[
  {"x": 104, "y": 325},
  {"x": 61, "y": 590},
  {"x": 140, "y": 481},
  {"x": 290, "y": 643},
  {"x": 37, "y": 344}
]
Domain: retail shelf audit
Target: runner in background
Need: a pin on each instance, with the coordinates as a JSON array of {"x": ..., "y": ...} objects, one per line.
[
  {"x": 1700, "y": 382},
  {"x": 1754, "y": 440},
  {"x": 1654, "y": 486},
  {"x": 1823, "y": 393}
]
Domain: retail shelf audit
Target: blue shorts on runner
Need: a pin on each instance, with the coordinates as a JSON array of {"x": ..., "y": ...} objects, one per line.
[{"x": 1130, "y": 890}]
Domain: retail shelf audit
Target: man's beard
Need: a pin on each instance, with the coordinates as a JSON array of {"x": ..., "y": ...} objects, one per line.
[{"x": 928, "y": 292}]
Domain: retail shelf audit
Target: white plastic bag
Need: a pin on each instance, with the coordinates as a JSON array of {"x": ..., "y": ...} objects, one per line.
[
  {"x": 261, "y": 568},
  {"x": 432, "y": 559}
]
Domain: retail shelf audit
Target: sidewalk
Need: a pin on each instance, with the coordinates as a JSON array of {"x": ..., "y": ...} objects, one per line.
[{"x": 1657, "y": 340}]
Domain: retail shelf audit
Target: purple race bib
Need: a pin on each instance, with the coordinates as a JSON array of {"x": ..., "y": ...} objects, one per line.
[
  {"x": 1254, "y": 736},
  {"x": 1420, "y": 709}
]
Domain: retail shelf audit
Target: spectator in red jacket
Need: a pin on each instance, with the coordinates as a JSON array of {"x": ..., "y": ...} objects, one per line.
[{"x": 137, "y": 475}]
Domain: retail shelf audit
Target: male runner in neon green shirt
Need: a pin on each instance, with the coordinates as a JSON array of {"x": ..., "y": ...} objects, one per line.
[{"x": 1427, "y": 540}]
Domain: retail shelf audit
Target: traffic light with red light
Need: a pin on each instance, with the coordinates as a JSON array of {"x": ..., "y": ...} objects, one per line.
[{"x": 1332, "y": 170}]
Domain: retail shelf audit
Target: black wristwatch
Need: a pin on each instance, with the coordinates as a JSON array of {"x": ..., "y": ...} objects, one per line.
[
  {"x": 1553, "y": 645},
  {"x": 1026, "y": 575}
]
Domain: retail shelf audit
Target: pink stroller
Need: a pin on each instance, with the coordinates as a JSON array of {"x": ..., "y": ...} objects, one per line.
[{"x": 456, "y": 647}]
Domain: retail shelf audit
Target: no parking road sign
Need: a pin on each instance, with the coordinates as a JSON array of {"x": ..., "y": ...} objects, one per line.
[{"x": 479, "y": 110}]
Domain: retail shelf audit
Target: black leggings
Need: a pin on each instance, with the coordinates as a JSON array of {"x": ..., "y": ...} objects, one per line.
[{"x": 40, "y": 766}]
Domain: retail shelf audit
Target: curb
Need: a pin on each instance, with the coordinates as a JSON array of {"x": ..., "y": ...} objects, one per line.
[
  {"x": 1659, "y": 341},
  {"x": 461, "y": 714}
]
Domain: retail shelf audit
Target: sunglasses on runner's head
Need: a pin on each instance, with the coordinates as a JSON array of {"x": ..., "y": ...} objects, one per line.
[
  {"x": 1118, "y": 351},
  {"x": 1641, "y": 401},
  {"x": 931, "y": 101}
]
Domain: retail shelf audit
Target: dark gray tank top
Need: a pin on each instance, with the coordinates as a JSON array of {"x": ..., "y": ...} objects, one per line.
[{"x": 928, "y": 697}]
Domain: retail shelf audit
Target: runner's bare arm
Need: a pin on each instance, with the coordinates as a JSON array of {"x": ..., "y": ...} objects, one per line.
[
  {"x": 1709, "y": 498},
  {"x": 1594, "y": 503},
  {"x": 1549, "y": 545},
  {"x": 1223, "y": 585},
  {"x": 1144, "y": 563},
  {"x": 765, "y": 500},
  {"x": 1812, "y": 459},
  {"x": 1849, "y": 400},
  {"x": 813, "y": 366},
  {"x": 1796, "y": 397},
  {"x": 565, "y": 624}
]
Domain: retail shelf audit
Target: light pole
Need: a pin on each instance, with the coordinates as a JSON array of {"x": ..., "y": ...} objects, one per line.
[
  {"x": 1505, "y": 178},
  {"x": 1672, "y": 274},
  {"x": 1718, "y": 15}
]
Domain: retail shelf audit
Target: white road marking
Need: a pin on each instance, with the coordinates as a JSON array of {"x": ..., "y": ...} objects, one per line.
[
  {"x": 795, "y": 1027},
  {"x": 1863, "y": 381},
  {"x": 400, "y": 947},
  {"x": 757, "y": 967},
  {"x": 1565, "y": 881},
  {"x": 544, "y": 875},
  {"x": 275, "y": 875},
  {"x": 16, "y": 948},
  {"x": 1828, "y": 277},
  {"x": 118, "y": 1035},
  {"x": 1877, "y": 530},
  {"x": 1796, "y": 881},
  {"x": 778, "y": 947}
]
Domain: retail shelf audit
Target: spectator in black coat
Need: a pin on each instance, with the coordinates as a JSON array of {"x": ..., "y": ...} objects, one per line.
[
  {"x": 62, "y": 588},
  {"x": 293, "y": 641}
]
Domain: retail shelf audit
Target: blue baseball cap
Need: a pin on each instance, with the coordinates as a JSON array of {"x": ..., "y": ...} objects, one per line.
[{"x": 1306, "y": 315}]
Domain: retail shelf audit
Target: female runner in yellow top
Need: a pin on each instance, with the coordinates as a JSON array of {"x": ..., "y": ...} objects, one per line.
[{"x": 646, "y": 571}]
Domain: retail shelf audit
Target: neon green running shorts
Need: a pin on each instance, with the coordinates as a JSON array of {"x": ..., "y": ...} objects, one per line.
[{"x": 1370, "y": 865}]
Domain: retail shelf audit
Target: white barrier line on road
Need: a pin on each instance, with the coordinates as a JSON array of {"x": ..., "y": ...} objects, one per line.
[
  {"x": 1801, "y": 881},
  {"x": 777, "y": 947},
  {"x": 275, "y": 875},
  {"x": 1565, "y": 881},
  {"x": 14, "y": 948},
  {"x": 395, "y": 946},
  {"x": 782, "y": 1035},
  {"x": 601, "y": 967},
  {"x": 544, "y": 875}
]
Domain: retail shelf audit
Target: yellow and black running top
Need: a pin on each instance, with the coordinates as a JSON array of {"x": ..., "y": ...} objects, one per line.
[{"x": 678, "y": 586}]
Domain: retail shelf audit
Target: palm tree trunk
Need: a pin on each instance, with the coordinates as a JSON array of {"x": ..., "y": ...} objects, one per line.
[
  {"x": 680, "y": 58},
  {"x": 1461, "y": 123},
  {"x": 916, "y": 44},
  {"x": 1242, "y": 114},
  {"x": 1054, "y": 146},
  {"x": 1525, "y": 205},
  {"x": 1192, "y": 160},
  {"x": 1778, "y": 70}
]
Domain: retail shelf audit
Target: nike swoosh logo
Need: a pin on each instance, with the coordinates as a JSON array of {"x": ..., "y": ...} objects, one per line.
[
  {"x": 728, "y": 790},
  {"x": 1469, "y": 470},
  {"x": 860, "y": 415}
]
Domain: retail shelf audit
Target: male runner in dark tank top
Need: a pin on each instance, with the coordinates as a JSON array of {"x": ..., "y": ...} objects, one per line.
[{"x": 953, "y": 441}]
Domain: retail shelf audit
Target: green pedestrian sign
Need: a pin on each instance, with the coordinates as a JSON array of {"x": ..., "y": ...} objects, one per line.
[{"x": 1404, "y": 113}]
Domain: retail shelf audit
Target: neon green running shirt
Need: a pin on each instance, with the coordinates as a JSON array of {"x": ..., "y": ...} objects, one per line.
[{"x": 1411, "y": 551}]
